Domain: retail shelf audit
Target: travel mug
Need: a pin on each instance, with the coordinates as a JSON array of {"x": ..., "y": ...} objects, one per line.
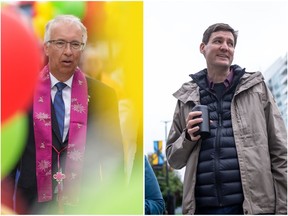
[{"x": 204, "y": 126}]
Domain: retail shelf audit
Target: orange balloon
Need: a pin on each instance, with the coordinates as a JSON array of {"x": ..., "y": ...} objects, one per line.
[{"x": 94, "y": 20}]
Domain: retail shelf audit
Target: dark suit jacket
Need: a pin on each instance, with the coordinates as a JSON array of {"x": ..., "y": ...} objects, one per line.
[{"x": 103, "y": 151}]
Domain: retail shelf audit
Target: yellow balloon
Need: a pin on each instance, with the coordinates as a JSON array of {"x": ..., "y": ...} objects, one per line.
[
  {"x": 39, "y": 23},
  {"x": 44, "y": 9}
]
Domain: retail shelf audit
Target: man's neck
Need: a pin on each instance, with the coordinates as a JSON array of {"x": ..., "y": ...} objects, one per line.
[
  {"x": 218, "y": 75},
  {"x": 60, "y": 76}
]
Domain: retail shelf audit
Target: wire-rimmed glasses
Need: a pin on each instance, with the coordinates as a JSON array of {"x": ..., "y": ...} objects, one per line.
[{"x": 60, "y": 44}]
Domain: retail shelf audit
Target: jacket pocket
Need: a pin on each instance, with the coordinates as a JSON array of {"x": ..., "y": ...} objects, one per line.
[{"x": 251, "y": 118}]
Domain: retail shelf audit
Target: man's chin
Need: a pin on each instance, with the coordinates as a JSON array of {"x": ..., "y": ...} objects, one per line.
[
  {"x": 67, "y": 72},
  {"x": 223, "y": 64}
]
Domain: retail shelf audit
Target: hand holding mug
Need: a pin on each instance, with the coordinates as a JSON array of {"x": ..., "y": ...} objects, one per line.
[{"x": 198, "y": 122}]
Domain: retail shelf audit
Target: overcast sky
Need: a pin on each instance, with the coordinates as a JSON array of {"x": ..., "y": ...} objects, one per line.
[{"x": 172, "y": 34}]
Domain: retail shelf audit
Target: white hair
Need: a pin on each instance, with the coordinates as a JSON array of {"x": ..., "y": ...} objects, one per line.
[{"x": 65, "y": 18}]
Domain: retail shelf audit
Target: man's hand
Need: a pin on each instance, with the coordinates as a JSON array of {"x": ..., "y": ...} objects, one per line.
[{"x": 191, "y": 121}]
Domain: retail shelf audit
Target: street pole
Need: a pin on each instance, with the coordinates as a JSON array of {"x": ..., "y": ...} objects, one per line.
[
  {"x": 166, "y": 138},
  {"x": 170, "y": 204}
]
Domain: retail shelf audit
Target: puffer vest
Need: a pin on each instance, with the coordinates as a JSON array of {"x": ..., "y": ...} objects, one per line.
[{"x": 218, "y": 181}]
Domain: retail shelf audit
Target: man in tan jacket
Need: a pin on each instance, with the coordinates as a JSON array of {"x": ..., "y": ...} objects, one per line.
[{"x": 241, "y": 167}]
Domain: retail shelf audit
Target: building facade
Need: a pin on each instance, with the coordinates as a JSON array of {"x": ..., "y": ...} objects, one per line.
[{"x": 276, "y": 79}]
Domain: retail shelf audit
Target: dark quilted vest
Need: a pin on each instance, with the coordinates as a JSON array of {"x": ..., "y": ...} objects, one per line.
[{"x": 218, "y": 181}]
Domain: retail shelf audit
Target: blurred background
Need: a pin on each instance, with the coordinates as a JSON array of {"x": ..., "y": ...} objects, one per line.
[{"x": 113, "y": 54}]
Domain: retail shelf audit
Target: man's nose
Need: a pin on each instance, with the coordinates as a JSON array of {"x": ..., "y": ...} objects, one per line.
[
  {"x": 224, "y": 46},
  {"x": 67, "y": 49}
]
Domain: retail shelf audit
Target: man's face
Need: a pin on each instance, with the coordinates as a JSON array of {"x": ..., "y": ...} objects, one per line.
[
  {"x": 219, "y": 51},
  {"x": 63, "y": 61}
]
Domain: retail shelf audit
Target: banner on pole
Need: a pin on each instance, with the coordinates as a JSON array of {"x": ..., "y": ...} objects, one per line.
[{"x": 157, "y": 156}]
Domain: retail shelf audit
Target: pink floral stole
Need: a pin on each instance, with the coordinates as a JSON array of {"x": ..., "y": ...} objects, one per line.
[{"x": 43, "y": 136}]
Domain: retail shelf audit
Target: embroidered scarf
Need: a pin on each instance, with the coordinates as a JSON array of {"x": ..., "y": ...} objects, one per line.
[{"x": 43, "y": 136}]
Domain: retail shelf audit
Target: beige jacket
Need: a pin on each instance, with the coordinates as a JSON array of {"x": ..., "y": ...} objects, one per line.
[{"x": 260, "y": 137}]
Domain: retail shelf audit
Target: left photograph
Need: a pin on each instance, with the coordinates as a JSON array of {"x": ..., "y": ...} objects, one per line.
[{"x": 72, "y": 107}]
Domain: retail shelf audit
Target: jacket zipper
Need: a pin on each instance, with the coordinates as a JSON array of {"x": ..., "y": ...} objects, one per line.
[{"x": 217, "y": 152}]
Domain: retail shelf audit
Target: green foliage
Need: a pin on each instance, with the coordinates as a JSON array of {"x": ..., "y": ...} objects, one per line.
[{"x": 172, "y": 185}]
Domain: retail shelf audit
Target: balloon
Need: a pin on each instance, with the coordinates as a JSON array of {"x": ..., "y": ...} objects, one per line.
[
  {"x": 6, "y": 210},
  {"x": 20, "y": 64},
  {"x": 39, "y": 24},
  {"x": 77, "y": 8},
  {"x": 94, "y": 20},
  {"x": 44, "y": 9},
  {"x": 13, "y": 136}
]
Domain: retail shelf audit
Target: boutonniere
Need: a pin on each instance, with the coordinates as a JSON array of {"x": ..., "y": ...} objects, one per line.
[{"x": 88, "y": 98}]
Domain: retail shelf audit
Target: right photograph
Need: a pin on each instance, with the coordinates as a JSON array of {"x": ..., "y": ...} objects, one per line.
[{"x": 215, "y": 107}]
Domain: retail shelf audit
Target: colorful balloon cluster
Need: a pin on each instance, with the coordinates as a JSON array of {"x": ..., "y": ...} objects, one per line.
[
  {"x": 20, "y": 64},
  {"x": 44, "y": 11},
  {"x": 92, "y": 14}
]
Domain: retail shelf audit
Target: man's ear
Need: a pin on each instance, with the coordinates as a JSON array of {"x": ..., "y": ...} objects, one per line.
[
  {"x": 202, "y": 46},
  {"x": 46, "y": 48}
]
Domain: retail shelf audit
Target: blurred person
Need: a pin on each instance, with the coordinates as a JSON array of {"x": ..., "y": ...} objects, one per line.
[
  {"x": 93, "y": 64},
  {"x": 154, "y": 202},
  {"x": 74, "y": 138},
  {"x": 241, "y": 167}
]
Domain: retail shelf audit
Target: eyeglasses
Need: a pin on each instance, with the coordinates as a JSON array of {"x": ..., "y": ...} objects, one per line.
[{"x": 62, "y": 43}]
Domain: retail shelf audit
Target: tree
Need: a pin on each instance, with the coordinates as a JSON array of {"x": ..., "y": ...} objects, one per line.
[{"x": 174, "y": 188}]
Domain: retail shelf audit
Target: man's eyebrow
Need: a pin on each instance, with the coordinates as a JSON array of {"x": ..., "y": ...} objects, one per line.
[{"x": 221, "y": 37}]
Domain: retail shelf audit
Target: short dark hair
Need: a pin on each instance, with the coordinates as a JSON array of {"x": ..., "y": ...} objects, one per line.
[{"x": 219, "y": 27}]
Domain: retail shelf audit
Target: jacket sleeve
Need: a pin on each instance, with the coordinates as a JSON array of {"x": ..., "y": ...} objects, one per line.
[
  {"x": 154, "y": 202},
  {"x": 277, "y": 141},
  {"x": 179, "y": 146}
]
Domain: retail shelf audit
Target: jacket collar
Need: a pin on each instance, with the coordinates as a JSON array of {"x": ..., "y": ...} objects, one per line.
[{"x": 189, "y": 91}]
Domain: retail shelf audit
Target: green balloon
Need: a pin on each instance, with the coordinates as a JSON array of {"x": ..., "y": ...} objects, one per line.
[
  {"x": 77, "y": 8},
  {"x": 13, "y": 137}
]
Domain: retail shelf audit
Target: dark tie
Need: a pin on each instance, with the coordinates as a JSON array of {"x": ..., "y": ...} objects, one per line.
[{"x": 59, "y": 107}]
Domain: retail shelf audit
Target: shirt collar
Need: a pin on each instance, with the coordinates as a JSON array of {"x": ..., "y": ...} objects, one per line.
[
  {"x": 227, "y": 82},
  {"x": 54, "y": 80}
]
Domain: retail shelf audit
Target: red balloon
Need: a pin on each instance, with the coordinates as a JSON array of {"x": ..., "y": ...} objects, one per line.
[{"x": 20, "y": 63}]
